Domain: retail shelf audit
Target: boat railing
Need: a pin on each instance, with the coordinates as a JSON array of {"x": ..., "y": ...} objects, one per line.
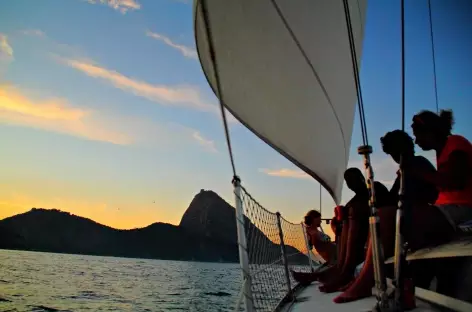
[{"x": 269, "y": 247}]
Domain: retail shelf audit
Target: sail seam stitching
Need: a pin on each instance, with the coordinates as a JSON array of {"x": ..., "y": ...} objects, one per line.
[{"x": 315, "y": 73}]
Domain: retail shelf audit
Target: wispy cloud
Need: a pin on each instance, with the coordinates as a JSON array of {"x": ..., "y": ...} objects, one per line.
[
  {"x": 286, "y": 173},
  {"x": 189, "y": 97},
  {"x": 33, "y": 32},
  {"x": 55, "y": 115},
  {"x": 120, "y": 5},
  {"x": 184, "y": 50},
  {"x": 6, "y": 51},
  {"x": 58, "y": 115},
  {"x": 207, "y": 144}
]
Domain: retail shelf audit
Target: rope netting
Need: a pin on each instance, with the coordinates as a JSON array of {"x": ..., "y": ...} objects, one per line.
[
  {"x": 294, "y": 239},
  {"x": 274, "y": 247}
]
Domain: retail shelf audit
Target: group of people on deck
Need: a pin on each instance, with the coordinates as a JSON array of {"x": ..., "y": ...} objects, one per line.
[{"x": 437, "y": 202}]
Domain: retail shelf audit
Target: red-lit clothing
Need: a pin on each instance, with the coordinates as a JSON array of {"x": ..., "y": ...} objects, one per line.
[{"x": 455, "y": 197}]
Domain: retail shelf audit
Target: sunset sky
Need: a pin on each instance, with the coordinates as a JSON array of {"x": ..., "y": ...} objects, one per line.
[{"x": 105, "y": 111}]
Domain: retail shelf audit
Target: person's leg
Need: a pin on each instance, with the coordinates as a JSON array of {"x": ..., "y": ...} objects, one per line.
[
  {"x": 355, "y": 253},
  {"x": 430, "y": 227},
  {"x": 362, "y": 286},
  {"x": 306, "y": 278},
  {"x": 335, "y": 269}
]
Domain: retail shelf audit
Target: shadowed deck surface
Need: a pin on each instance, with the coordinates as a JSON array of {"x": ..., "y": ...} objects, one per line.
[{"x": 311, "y": 299}]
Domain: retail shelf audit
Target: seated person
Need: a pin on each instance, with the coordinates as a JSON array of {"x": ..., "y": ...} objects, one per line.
[
  {"x": 395, "y": 144},
  {"x": 354, "y": 231},
  {"x": 429, "y": 223},
  {"x": 316, "y": 238},
  {"x": 322, "y": 243},
  {"x": 454, "y": 162}
]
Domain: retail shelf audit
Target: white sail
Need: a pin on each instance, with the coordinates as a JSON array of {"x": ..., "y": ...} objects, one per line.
[{"x": 288, "y": 77}]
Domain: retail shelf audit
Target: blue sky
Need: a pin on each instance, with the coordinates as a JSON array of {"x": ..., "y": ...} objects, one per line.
[{"x": 105, "y": 112}]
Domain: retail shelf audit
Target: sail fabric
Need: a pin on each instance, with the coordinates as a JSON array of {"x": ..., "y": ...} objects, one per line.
[{"x": 287, "y": 75}]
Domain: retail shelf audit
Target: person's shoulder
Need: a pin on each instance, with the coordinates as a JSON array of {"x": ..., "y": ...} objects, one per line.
[
  {"x": 421, "y": 160},
  {"x": 459, "y": 145},
  {"x": 378, "y": 184},
  {"x": 380, "y": 187},
  {"x": 458, "y": 140}
]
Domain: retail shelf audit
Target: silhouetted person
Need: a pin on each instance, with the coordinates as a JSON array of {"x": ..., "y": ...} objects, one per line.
[
  {"x": 355, "y": 229},
  {"x": 454, "y": 162},
  {"x": 319, "y": 240},
  {"x": 430, "y": 225}
]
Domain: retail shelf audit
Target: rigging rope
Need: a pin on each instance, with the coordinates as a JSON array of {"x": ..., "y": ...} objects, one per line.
[
  {"x": 403, "y": 61},
  {"x": 355, "y": 69},
  {"x": 218, "y": 83},
  {"x": 434, "y": 56},
  {"x": 310, "y": 64},
  {"x": 321, "y": 208}
]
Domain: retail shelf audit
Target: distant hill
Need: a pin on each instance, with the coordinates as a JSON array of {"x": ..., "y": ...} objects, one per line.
[{"x": 207, "y": 232}]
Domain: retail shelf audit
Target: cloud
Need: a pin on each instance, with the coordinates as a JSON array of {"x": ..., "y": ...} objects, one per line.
[
  {"x": 55, "y": 115},
  {"x": 286, "y": 173},
  {"x": 179, "y": 96},
  {"x": 33, "y": 32},
  {"x": 6, "y": 51},
  {"x": 181, "y": 133},
  {"x": 207, "y": 144},
  {"x": 120, "y": 5},
  {"x": 184, "y": 96},
  {"x": 184, "y": 50}
]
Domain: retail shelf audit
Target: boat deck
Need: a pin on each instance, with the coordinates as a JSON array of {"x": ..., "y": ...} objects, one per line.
[{"x": 311, "y": 299}]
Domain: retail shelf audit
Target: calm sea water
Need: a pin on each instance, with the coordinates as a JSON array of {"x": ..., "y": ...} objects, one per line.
[{"x": 35, "y": 281}]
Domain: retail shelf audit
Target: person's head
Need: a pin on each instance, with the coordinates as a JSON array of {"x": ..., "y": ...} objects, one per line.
[
  {"x": 313, "y": 218},
  {"x": 431, "y": 130},
  {"x": 355, "y": 180},
  {"x": 397, "y": 143}
]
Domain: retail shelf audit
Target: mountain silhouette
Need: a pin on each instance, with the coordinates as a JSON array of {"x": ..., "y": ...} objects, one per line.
[{"x": 207, "y": 232}]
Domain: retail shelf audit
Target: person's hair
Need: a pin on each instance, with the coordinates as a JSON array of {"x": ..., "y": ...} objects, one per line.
[
  {"x": 310, "y": 215},
  {"x": 353, "y": 171},
  {"x": 397, "y": 141},
  {"x": 439, "y": 124}
]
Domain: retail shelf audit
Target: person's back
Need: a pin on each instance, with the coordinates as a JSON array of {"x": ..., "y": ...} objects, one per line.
[
  {"x": 454, "y": 161},
  {"x": 417, "y": 191},
  {"x": 455, "y": 196},
  {"x": 398, "y": 143}
]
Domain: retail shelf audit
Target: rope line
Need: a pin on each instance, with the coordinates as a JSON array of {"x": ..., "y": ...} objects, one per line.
[
  {"x": 434, "y": 56},
  {"x": 403, "y": 61},
  {"x": 218, "y": 82},
  {"x": 310, "y": 64},
  {"x": 321, "y": 208},
  {"x": 355, "y": 70}
]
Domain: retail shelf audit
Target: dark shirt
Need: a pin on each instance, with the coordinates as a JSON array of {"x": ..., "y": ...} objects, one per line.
[
  {"x": 416, "y": 190},
  {"x": 358, "y": 206}
]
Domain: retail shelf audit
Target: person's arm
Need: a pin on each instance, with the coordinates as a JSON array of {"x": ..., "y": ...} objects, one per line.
[
  {"x": 334, "y": 224},
  {"x": 395, "y": 190},
  {"x": 308, "y": 236},
  {"x": 454, "y": 178},
  {"x": 382, "y": 195}
]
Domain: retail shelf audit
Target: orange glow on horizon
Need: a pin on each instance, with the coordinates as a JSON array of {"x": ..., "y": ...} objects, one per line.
[{"x": 119, "y": 218}]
